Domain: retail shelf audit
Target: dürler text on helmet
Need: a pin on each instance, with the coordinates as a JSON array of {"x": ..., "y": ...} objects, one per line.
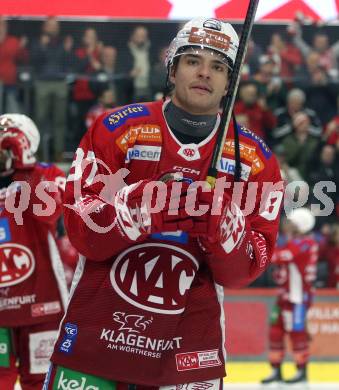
[{"x": 205, "y": 33}]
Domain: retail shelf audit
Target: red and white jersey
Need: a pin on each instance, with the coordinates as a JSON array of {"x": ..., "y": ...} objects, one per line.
[
  {"x": 94, "y": 113},
  {"x": 32, "y": 283},
  {"x": 157, "y": 302},
  {"x": 296, "y": 269}
]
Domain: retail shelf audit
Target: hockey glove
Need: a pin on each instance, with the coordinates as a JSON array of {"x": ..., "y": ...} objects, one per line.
[
  {"x": 224, "y": 222},
  {"x": 17, "y": 144},
  {"x": 152, "y": 206}
]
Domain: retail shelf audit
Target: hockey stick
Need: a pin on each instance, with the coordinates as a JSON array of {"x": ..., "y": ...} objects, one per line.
[{"x": 230, "y": 98}]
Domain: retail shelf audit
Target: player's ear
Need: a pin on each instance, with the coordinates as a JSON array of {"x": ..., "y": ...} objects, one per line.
[
  {"x": 226, "y": 87},
  {"x": 172, "y": 74},
  {"x": 228, "y": 76},
  {"x": 173, "y": 70}
]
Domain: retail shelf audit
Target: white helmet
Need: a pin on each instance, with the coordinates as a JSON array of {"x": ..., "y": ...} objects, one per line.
[
  {"x": 24, "y": 124},
  {"x": 205, "y": 33},
  {"x": 303, "y": 219}
]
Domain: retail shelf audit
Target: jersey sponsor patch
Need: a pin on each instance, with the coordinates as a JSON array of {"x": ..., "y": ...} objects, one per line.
[
  {"x": 66, "y": 379},
  {"x": 139, "y": 134},
  {"x": 262, "y": 145},
  {"x": 195, "y": 360},
  {"x": 143, "y": 152},
  {"x": 17, "y": 263},
  {"x": 70, "y": 336},
  {"x": 119, "y": 117},
  {"x": 154, "y": 277},
  {"x": 127, "y": 334},
  {"x": 5, "y": 347},
  {"x": 5, "y": 233},
  {"x": 45, "y": 308},
  {"x": 247, "y": 152},
  {"x": 41, "y": 346},
  {"x": 227, "y": 165},
  {"x": 212, "y": 384}
]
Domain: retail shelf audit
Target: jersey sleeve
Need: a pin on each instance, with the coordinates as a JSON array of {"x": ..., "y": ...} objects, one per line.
[
  {"x": 95, "y": 176},
  {"x": 247, "y": 250},
  {"x": 47, "y": 189},
  {"x": 285, "y": 254}
]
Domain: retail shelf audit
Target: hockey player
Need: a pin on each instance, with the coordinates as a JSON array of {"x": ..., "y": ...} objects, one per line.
[
  {"x": 32, "y": 286},
  {"x": 295, "y": 271},
  {"x": 146, "y": 304}
]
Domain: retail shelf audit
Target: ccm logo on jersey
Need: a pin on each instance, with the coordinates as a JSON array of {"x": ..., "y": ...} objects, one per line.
[
  {"x": 227, "y": 165},
  {"x": 118, "y": 118},
  {"x": 154, "y": 277},
  {"x": 189, "y": 152},
  {"x": 17, "y": 263},
  {"x": 143, "y": 152},
  {"x": 186, "y": 170}
]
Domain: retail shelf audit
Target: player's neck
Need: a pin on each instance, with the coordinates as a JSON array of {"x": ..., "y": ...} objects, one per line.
[{"x": 186, "y": 123}]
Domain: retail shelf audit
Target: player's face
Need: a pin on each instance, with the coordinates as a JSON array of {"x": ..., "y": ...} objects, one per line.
[{"x": 200, "y": 80}]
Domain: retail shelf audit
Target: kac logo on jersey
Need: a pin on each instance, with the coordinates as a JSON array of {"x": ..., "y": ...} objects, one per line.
[
  {"x": 17, "y": 263},
  {"x": 189, "y": 152},
  {"x": 154, "y": 277},
  {"x": 118, "y": 118}
]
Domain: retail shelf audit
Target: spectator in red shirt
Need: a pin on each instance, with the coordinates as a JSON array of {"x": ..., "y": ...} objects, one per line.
[
  {"x": 106, "y": 101},
  {"x": 88, "y": 62},
  {"x": 259, "y": 118},
  {"x": 330, "y": 253},
  {"x": 288, "y": 54},
  {"x": 331, "y": 134},
  {"x": 12, "y": 53},
  {"x": 328, "y": 55}
]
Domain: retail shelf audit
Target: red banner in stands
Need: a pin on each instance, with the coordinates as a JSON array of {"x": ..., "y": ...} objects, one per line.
[{"x": 278, "y": 10}]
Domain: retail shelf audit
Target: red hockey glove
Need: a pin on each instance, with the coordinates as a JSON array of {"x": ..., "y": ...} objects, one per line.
[
  {"x": 18, "y": 146},
  {"x": 152, "y": 206},
  {"x": 224, "y": 222}
]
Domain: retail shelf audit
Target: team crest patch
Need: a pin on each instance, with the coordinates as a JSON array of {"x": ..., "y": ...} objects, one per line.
[
  {"x": 118, "y": 118},
  {"x": 262, "y": 145}
]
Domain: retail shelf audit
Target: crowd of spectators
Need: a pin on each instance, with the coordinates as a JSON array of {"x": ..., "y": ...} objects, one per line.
[{"x": 288, "y": 95}]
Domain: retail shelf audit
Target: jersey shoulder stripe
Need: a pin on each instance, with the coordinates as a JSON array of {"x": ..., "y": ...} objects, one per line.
[{"x": 259, "y": 141}]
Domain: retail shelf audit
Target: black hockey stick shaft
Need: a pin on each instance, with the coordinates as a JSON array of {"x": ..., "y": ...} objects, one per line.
[{"x": 231, "y": 93}]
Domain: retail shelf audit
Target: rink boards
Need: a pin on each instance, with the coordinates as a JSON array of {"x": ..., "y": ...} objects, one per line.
[{"x": 325, "y": 375}]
